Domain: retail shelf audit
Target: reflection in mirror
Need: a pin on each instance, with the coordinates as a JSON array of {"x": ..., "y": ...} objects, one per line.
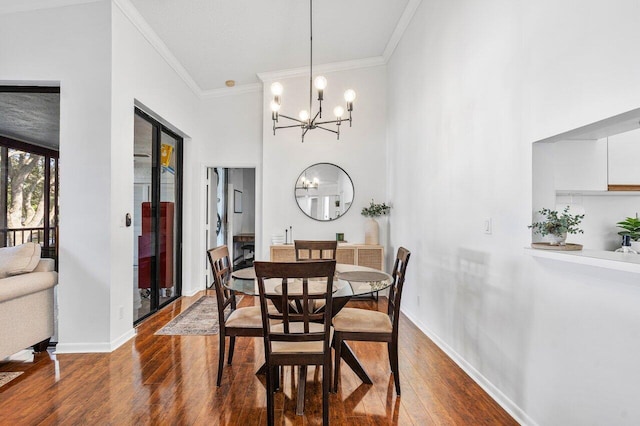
[{"x": 324, "y": 191}]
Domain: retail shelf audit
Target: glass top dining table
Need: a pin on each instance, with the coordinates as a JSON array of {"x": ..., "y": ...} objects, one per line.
[{"x": 349, "y": 281}]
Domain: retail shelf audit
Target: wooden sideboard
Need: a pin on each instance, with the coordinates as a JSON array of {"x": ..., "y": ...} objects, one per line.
[{"x": 352, "y": 254}]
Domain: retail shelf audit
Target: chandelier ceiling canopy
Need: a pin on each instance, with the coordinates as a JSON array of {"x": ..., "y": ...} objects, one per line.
[{"x": 306, "y": 119}]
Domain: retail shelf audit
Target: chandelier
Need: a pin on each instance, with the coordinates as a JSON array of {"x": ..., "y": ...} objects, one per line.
[
  {"x": 307, "y": 184},
  {"x": 306, "y": 119}
]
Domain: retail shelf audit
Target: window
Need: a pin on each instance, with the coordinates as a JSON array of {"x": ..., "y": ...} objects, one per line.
[{"x": 29, "y": 196}]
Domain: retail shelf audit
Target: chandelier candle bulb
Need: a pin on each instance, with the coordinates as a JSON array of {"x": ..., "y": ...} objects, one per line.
[
  {"x": 338, "y": 112},
  {"x": 350, "y": 96},
  {"x": 320, "y": 83},
  {"x": 277, "y": 89},
  {"x": 275, "y": 107},
  {"x": 304, "y": 115}
]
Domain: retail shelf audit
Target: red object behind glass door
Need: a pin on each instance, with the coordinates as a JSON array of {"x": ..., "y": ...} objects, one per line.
[{"x": 145, "y": 246}]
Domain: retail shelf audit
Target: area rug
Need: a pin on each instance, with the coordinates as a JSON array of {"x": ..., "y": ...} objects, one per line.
[
  {"x": 199, "y": 319},
  {"x": 7, "y": 377}
]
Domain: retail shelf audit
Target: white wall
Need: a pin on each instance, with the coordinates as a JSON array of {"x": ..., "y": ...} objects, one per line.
[
  {"x": 471, "y": 85},
  {"x": 360, "y": 152},
  {"x": 140, "y": 74},
  {"x": 102, "y": 64},
  {"x": 233, "y": 138},
  {"x": 71, "y": 45}
]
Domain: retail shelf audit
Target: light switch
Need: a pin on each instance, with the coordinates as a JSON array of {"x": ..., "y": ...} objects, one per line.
[{"x": 487, "y": 226}]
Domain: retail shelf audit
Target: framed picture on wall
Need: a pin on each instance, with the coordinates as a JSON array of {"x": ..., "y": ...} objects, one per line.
[{"x": 237, "y": 201}]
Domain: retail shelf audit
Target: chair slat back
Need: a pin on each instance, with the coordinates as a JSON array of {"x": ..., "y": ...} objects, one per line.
[
  {"x": 295, "y": 280},
  {"x": 221, "y": 268},
  {"x": 309, "y": 249},
  {"x": 395, "y": 291}
]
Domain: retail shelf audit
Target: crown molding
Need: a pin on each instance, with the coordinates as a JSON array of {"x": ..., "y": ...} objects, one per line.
[
  {"x": 323, "y": 68},
  {"x": 403, "y": 23},
  {"x": 396, "y": 36},
  {"x": 231, "y": 91},
  {"x": 25, "y": 6},
  {"x": 138, "y": 21},
  {"x": 130, "y": 11}
]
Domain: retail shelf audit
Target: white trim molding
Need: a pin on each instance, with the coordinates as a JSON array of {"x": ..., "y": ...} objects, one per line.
[
  {"x": 96, "y": 347},
  {"x": 231, "y": 91},
  {"x": 323, "y": 68},
  {"x": 27, "y": 6},
  {"x": 138, "y": 21},
  {"x": 510, "y": 407},
  {"x": 401, "y": 27}
]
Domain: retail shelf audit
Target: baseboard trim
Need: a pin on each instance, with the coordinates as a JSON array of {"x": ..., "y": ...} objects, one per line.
[
  {"x": 124, "y": 338},
  {"x": 193, "y": 292},
  {"x": 98, "y": 347},
  {"x": 510, "y": 407}
]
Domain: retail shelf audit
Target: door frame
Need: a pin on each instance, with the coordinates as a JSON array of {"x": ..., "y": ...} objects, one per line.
[
  {"x": 158, "y": 129},
  {"x": 205, "y": 271}
]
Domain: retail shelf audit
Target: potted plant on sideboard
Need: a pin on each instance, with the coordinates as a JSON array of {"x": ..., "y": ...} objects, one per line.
[
  {"x": 631, "y": 226},
  {"x": 557, "y": 225},
  {"x": 371, "y": 228}
]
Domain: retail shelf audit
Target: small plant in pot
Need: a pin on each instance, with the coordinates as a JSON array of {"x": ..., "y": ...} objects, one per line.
[
  {"x": 631, "y": 226},
  {"x": 371, "y": 229},
  {"x": 375, "y": 210},
  {"x": 558, "y": 225}
]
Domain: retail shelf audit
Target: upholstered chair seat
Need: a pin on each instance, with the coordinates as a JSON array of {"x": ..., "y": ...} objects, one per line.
[
  {"x": 302, "y": 337},
  {"x": 362, "y": 321},
  {"x": 372, "y": 326},
  {"x": 234, "y": 322},
  {"x": 249, "y": 317}
]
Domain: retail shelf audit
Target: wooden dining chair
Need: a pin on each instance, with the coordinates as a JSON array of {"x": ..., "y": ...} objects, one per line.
[
  {"x": 374, "y": 326},
  {"x": 309, "y": 249},
  {"x": 299, "y": 338},
  {"x": 236, "y": 321}
]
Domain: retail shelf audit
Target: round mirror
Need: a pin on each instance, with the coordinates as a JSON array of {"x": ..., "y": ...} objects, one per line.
[{"x": 324, "y": 191}]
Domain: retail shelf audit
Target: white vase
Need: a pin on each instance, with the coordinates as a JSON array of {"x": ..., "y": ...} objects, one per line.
[
  {"x": 557, "y": 240},
  {"x": 371, "y": 231}
]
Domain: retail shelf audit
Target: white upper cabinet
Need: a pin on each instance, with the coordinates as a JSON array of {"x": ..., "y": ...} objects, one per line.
[
  {"x": 580, "y": 165},
  {"x": 624, "y": 158}
]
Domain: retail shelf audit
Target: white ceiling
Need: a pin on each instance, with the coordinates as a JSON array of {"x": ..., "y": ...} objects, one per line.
[
  {"x": 218, "y": 40},
  {"x": 31, "y": 117}
]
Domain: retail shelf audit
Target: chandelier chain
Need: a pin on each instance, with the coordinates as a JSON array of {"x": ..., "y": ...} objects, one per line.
[{"x": 310, "y": 57}]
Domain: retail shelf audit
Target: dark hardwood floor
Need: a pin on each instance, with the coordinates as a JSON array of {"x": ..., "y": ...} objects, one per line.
[{"x": 171, "y": 380}]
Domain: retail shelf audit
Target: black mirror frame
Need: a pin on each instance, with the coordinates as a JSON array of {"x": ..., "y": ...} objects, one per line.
[{"x": 318, "y": 164}]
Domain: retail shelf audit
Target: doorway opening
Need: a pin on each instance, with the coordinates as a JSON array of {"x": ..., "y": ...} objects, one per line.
[
  {"x": 29, "y": 170},
  {"x": 230, "y": 217}
]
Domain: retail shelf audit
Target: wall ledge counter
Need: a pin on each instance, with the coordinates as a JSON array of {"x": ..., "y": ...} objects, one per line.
[{"x": 626, "y": 262}]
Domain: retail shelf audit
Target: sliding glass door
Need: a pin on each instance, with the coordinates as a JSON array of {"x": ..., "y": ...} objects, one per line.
[{"x": 157, "y": 215}]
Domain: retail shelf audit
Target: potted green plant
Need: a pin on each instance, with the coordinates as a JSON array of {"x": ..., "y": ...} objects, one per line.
[
  {"x": 371, "y": 228},
  {"x": 631, "y": 226},
  {"x": 557, "y": 225}
]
